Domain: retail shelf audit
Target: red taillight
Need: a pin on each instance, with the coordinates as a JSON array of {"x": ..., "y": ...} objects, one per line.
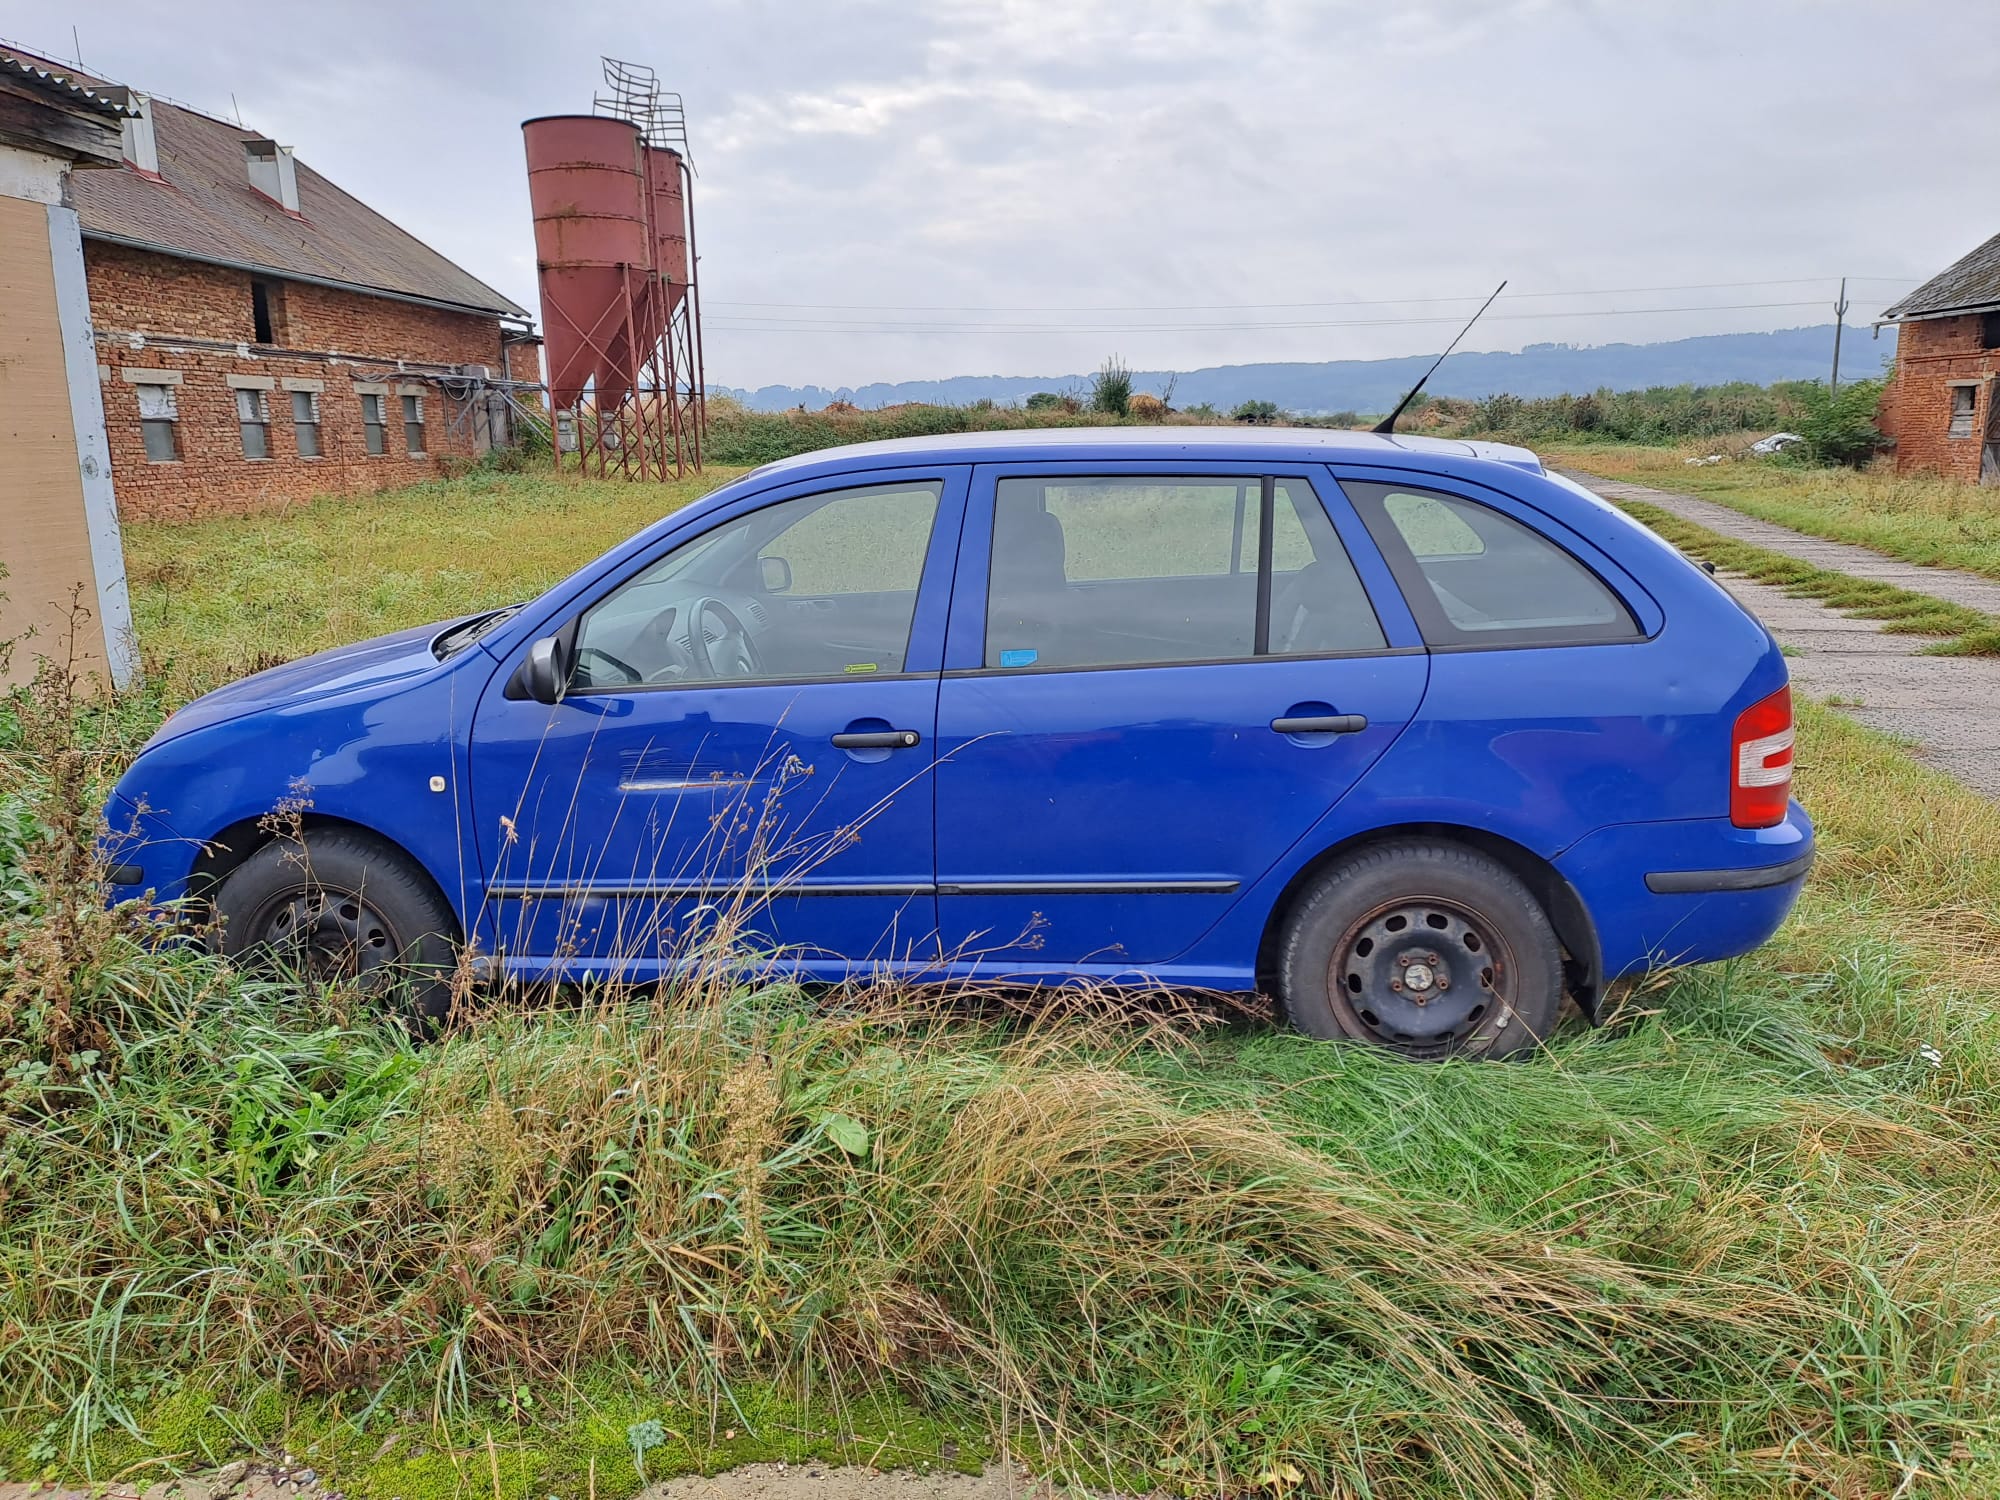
[{"x": 1760, "y": 757}]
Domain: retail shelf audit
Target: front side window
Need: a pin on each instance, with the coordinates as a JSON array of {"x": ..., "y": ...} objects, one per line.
[
  {"x": 159, "y": 423},
  {"x": 413, "y": 424},
  {"x": 1132, "y": 571},
  {"x": 1964, "y": 401},
  {"x": 1476, "y": 577},
  {"x": 253, "y": 420},
  {"x": 824, "y": 586},
  {"x": 373, "y": 424}
]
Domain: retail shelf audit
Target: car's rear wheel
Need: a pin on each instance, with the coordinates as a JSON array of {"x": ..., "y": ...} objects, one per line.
[
  {"x": 1424, "y": 947},
  {"x": 338, "y": 907}
]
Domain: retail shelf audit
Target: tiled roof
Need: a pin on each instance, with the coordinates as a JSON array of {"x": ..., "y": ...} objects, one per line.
[
  {"x": 1968, "y": 285},
  {"x": 203, "y": 207}
]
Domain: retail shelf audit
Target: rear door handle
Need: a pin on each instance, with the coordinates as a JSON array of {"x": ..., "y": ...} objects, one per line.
[
  {"x": 1321, "y": 724},
  {"x": 878, "y": 739}
]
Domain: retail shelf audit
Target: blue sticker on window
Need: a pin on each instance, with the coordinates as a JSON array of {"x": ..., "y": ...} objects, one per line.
[{"x": 1018, "y": 658}]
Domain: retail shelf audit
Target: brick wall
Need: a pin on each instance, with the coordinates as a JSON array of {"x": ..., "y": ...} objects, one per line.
[
  {"x": 141, "y": 302},
  {"x": 1931, "y": 354}
]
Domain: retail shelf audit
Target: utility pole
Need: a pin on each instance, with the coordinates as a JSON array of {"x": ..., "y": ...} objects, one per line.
[{"x": 1839, "y": 322}]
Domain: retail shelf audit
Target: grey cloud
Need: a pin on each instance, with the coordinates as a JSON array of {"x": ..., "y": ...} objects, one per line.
[{"x": 1035, "y": 153}]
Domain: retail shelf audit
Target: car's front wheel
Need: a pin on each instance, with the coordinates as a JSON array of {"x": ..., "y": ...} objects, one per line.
[
  {"x": 338, "y": 907},
  {"x": 1424, "y": 947}
]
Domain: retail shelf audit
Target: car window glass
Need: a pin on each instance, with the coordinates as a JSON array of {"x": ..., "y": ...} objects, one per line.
[
  {"x": 865, "y": 543},
  {"x": 821, "y": 586},
  {"x": 1430, "y": 528},
  {"x": 1131, "y": 571},
  {"x": 1476, "y": 576}
]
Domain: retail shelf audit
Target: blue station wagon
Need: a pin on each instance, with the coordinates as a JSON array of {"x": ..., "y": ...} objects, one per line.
[{"x": 1411, "y": 734}]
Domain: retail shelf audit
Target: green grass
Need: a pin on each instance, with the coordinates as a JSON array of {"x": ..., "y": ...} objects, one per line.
[
  {"x": 1918, "y": 519},
  {"x": 1967, "y": 631},
  {"x": 215, "y": 598},
  {"x": 1742, "y": 1240}
]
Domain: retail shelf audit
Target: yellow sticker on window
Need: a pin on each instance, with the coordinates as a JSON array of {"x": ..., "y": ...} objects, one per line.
[{"x": 862, "y": 666}]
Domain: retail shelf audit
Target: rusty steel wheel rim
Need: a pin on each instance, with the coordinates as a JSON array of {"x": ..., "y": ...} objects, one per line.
[
  {"x": 331, "y": 937},
  {"x": 1422, "y": 975}
]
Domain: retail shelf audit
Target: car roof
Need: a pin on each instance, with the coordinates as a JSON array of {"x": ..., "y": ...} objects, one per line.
[{"x": 1308, "y": 444}]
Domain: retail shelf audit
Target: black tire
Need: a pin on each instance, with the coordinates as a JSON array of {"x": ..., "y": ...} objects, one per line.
[
  {"x": 1423, "y": 947},
  {"x": 341, "y": 906}
]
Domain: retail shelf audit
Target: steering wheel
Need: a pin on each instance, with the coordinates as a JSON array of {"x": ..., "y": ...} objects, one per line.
[{"x": 734, "y": 654}]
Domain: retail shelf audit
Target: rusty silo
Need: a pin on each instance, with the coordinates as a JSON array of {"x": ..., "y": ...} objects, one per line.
[{"x": 619, "y": 316}]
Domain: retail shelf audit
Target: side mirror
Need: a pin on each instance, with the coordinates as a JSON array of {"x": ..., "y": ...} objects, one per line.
[
  {"x": 776, "y": 575},
  {"x": 545, "y": 674}
]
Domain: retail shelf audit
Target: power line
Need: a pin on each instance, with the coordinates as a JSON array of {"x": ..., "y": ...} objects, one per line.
[
  {"x": 1697, "y": 286},
  {"x": 741, "y": 324}
]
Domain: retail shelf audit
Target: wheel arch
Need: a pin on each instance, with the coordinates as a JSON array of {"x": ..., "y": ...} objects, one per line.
[
  {"x": 229, "y": 847},
  {"x": 1583, "y": 965}
]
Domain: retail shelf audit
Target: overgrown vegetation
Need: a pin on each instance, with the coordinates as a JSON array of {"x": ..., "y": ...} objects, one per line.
[{"x": 1741, "y": 1238}]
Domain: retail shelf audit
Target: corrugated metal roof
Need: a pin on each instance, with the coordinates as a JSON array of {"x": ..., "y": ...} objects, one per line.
[
  {"x": 1971, "y": 284},
  {"x": 63, "y": 82},
  {"x": 202, "y": 206}
]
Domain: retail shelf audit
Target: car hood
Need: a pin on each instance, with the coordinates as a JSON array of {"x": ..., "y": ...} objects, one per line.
[{"x": 386, "y": 658}]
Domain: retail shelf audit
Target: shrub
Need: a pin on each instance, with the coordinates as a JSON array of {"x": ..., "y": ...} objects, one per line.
[
  {"x": 1839, "y": 426},
  {"x": 1111, "y": 390},
  {"x": 1145, "y": 407},
  {"x": 1043, "y": 401},
  {"x": 1256, "y": 411}
]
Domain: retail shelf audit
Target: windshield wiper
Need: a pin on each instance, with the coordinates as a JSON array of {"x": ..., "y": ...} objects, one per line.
[{"x": 459, "y": 637}]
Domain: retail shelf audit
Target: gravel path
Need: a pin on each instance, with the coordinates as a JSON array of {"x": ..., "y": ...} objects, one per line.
[{"x": 1948, "y": 706}]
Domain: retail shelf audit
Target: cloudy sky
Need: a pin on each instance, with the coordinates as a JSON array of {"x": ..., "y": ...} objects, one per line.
[{"x": 936, "y": 187}]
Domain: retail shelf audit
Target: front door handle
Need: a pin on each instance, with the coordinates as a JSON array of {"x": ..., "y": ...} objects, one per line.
[
  {"x": 878, "y": 739},
  {"x": 1321, "y": 724}
]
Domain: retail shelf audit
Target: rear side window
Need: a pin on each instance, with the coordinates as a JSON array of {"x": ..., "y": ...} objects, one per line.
[
  {"x": 1475, "y": 577},
  {"x": 1118, "y": 571}
]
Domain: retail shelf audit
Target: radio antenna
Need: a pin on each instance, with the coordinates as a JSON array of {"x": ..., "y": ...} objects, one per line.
[{"x": 1388, "y": 423}]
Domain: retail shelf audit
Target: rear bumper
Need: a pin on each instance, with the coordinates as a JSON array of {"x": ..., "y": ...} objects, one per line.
[
  {"x": 1689, "y": 891},
  {"x": 1742, "y": 878}
]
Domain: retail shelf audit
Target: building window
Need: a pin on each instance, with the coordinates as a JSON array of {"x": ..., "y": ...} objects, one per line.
[
  {"x": 1989, "y": 331},
  {"x": 1964, "y": 398},
  {"x": 305, "y": 422},
  {"x": 159, "y": 421},
  {"x": 253, "y": 419},
  {"x": 373, "y": 423},
  {"x": 267, "y": 312},
  {"x": 413, "y": 424}
]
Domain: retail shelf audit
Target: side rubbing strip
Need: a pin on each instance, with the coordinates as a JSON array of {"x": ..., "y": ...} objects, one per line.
[{"x": 1089, "y": 888}]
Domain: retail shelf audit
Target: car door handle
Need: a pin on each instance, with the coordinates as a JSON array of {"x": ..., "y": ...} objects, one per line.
[
  {"x": 1322, "y": 724},
  {"x": 878, "y": 739}
]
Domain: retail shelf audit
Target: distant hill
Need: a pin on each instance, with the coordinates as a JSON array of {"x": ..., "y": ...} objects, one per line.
[{"x": 1373, "y": 385}]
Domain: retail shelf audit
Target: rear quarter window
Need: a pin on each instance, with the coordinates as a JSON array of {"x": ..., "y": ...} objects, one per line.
[{"x": 1476, "y": 577}]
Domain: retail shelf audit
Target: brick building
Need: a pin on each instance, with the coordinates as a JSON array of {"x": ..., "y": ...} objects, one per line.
[
  {"x": 1943, "y": 404},
  {"x": 263, "y": 336}
]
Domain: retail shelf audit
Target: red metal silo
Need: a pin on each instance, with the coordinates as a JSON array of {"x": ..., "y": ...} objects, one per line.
[
  {"x": 664, "y": 170},
  {"x": 587, "y": 186}
]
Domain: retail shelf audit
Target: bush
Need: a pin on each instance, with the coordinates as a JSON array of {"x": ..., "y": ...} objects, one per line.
[
  {"x": 1256, "y": 411},
  {"x": 1043, "y": 401},
  {"x": 1839, "y": 426},
  {"x": 1111, "y": 391}
]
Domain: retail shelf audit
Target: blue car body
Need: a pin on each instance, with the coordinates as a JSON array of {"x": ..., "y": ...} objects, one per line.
[{"x": 1139, "y": 823}]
